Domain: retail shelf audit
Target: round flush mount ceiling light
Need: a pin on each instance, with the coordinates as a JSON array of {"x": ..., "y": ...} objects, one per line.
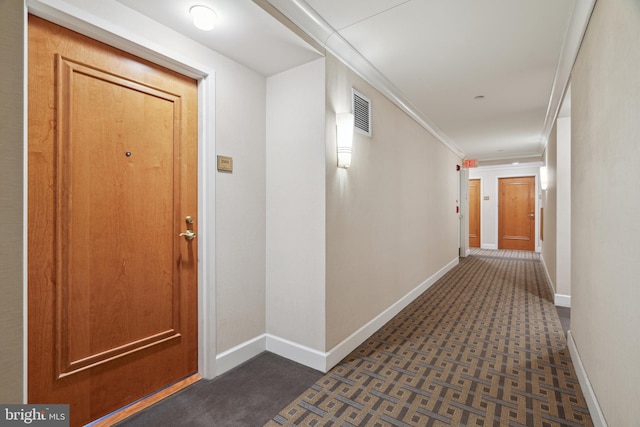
[{"x": 203, "y": 17}]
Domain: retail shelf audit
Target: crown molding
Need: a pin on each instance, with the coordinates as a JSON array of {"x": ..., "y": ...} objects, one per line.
[
  {"x": 308, "y": 20},
  {"x": 576, "y": 30},
  {"x": 507, "y": 166}
]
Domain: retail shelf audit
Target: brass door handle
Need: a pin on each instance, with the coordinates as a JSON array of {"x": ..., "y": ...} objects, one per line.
[{"x": 188, "y": 235}]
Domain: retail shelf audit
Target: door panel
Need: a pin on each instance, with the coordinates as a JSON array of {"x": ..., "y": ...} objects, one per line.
[
  {"x": 112, "y": 175},
  {"x": 516, "y": 213},
  {"x": 474, "y": 213},
  {"x": 131, "y": 169}
]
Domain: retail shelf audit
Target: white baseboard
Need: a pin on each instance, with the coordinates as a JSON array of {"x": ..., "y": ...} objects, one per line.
[
  {"x": 317, "y": 359},
  {"x": 592, "y": 401},
  {"x": 562, "y": 300},
  {"x": 489, "y": 246},
  {"x": 239, "y": 354},
  {"x": 558, "y": 299},
  {"x": 340, "y": 351},
  {"x": 546, "y": 273},
  {"x": 298, "y": 353}
]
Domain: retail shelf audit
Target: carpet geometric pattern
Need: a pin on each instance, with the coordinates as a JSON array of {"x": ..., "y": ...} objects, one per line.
[{"x": 482, "y": 347}]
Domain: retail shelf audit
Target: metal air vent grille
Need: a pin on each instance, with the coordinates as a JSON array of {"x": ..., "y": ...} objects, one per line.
[{"x": 361, "y": 113}]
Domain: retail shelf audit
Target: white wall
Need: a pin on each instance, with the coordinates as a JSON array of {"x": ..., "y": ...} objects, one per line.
[
  {"x": 563, "y": 214},
  {"x": 489, "y": 208},
  {"x": 556, "y": 201},
  {"x": 295, "y": 218},
  {"x": 391, "y": 219},
  {"x": 549, "y": 201},
  {"x": 240, "y": 200},
  {"x": 605, "y": 202}
]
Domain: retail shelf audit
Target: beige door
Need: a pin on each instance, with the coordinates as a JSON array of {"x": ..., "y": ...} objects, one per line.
[
  {"x": 474, "y": 213},
  {"x": 516, "y": 213},
  {"x": 112, "y": 176}
]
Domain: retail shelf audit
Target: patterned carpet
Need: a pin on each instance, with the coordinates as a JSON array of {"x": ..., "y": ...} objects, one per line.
[{"x": 482, "y": 347}]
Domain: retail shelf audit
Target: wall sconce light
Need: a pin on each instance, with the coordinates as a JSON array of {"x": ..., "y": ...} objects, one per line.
[
  {"x": 544, "y": 179},
  {"x": 344, "y": 124},
  {"x": 203, "y": 17}
]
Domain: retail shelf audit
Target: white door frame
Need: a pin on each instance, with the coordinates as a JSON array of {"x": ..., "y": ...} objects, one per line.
[
  {"x": 464, "y": 212},
  {"x": 110, "y": 30}
]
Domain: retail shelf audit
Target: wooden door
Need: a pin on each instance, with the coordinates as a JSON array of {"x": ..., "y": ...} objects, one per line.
[
  {"x": 516, "y": 213},
  {"x": 112, "y": 175},
  {"x": 474, "y": 213}
]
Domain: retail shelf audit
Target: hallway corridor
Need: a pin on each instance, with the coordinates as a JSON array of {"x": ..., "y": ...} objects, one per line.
[{"x": 483, "y": 346}]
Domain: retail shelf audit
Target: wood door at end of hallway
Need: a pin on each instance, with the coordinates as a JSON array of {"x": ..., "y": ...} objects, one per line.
[
  {"x": 516, "y": 213},
  {"x": 112, "y": 287},
  {"x": 474, "y": 213}
]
